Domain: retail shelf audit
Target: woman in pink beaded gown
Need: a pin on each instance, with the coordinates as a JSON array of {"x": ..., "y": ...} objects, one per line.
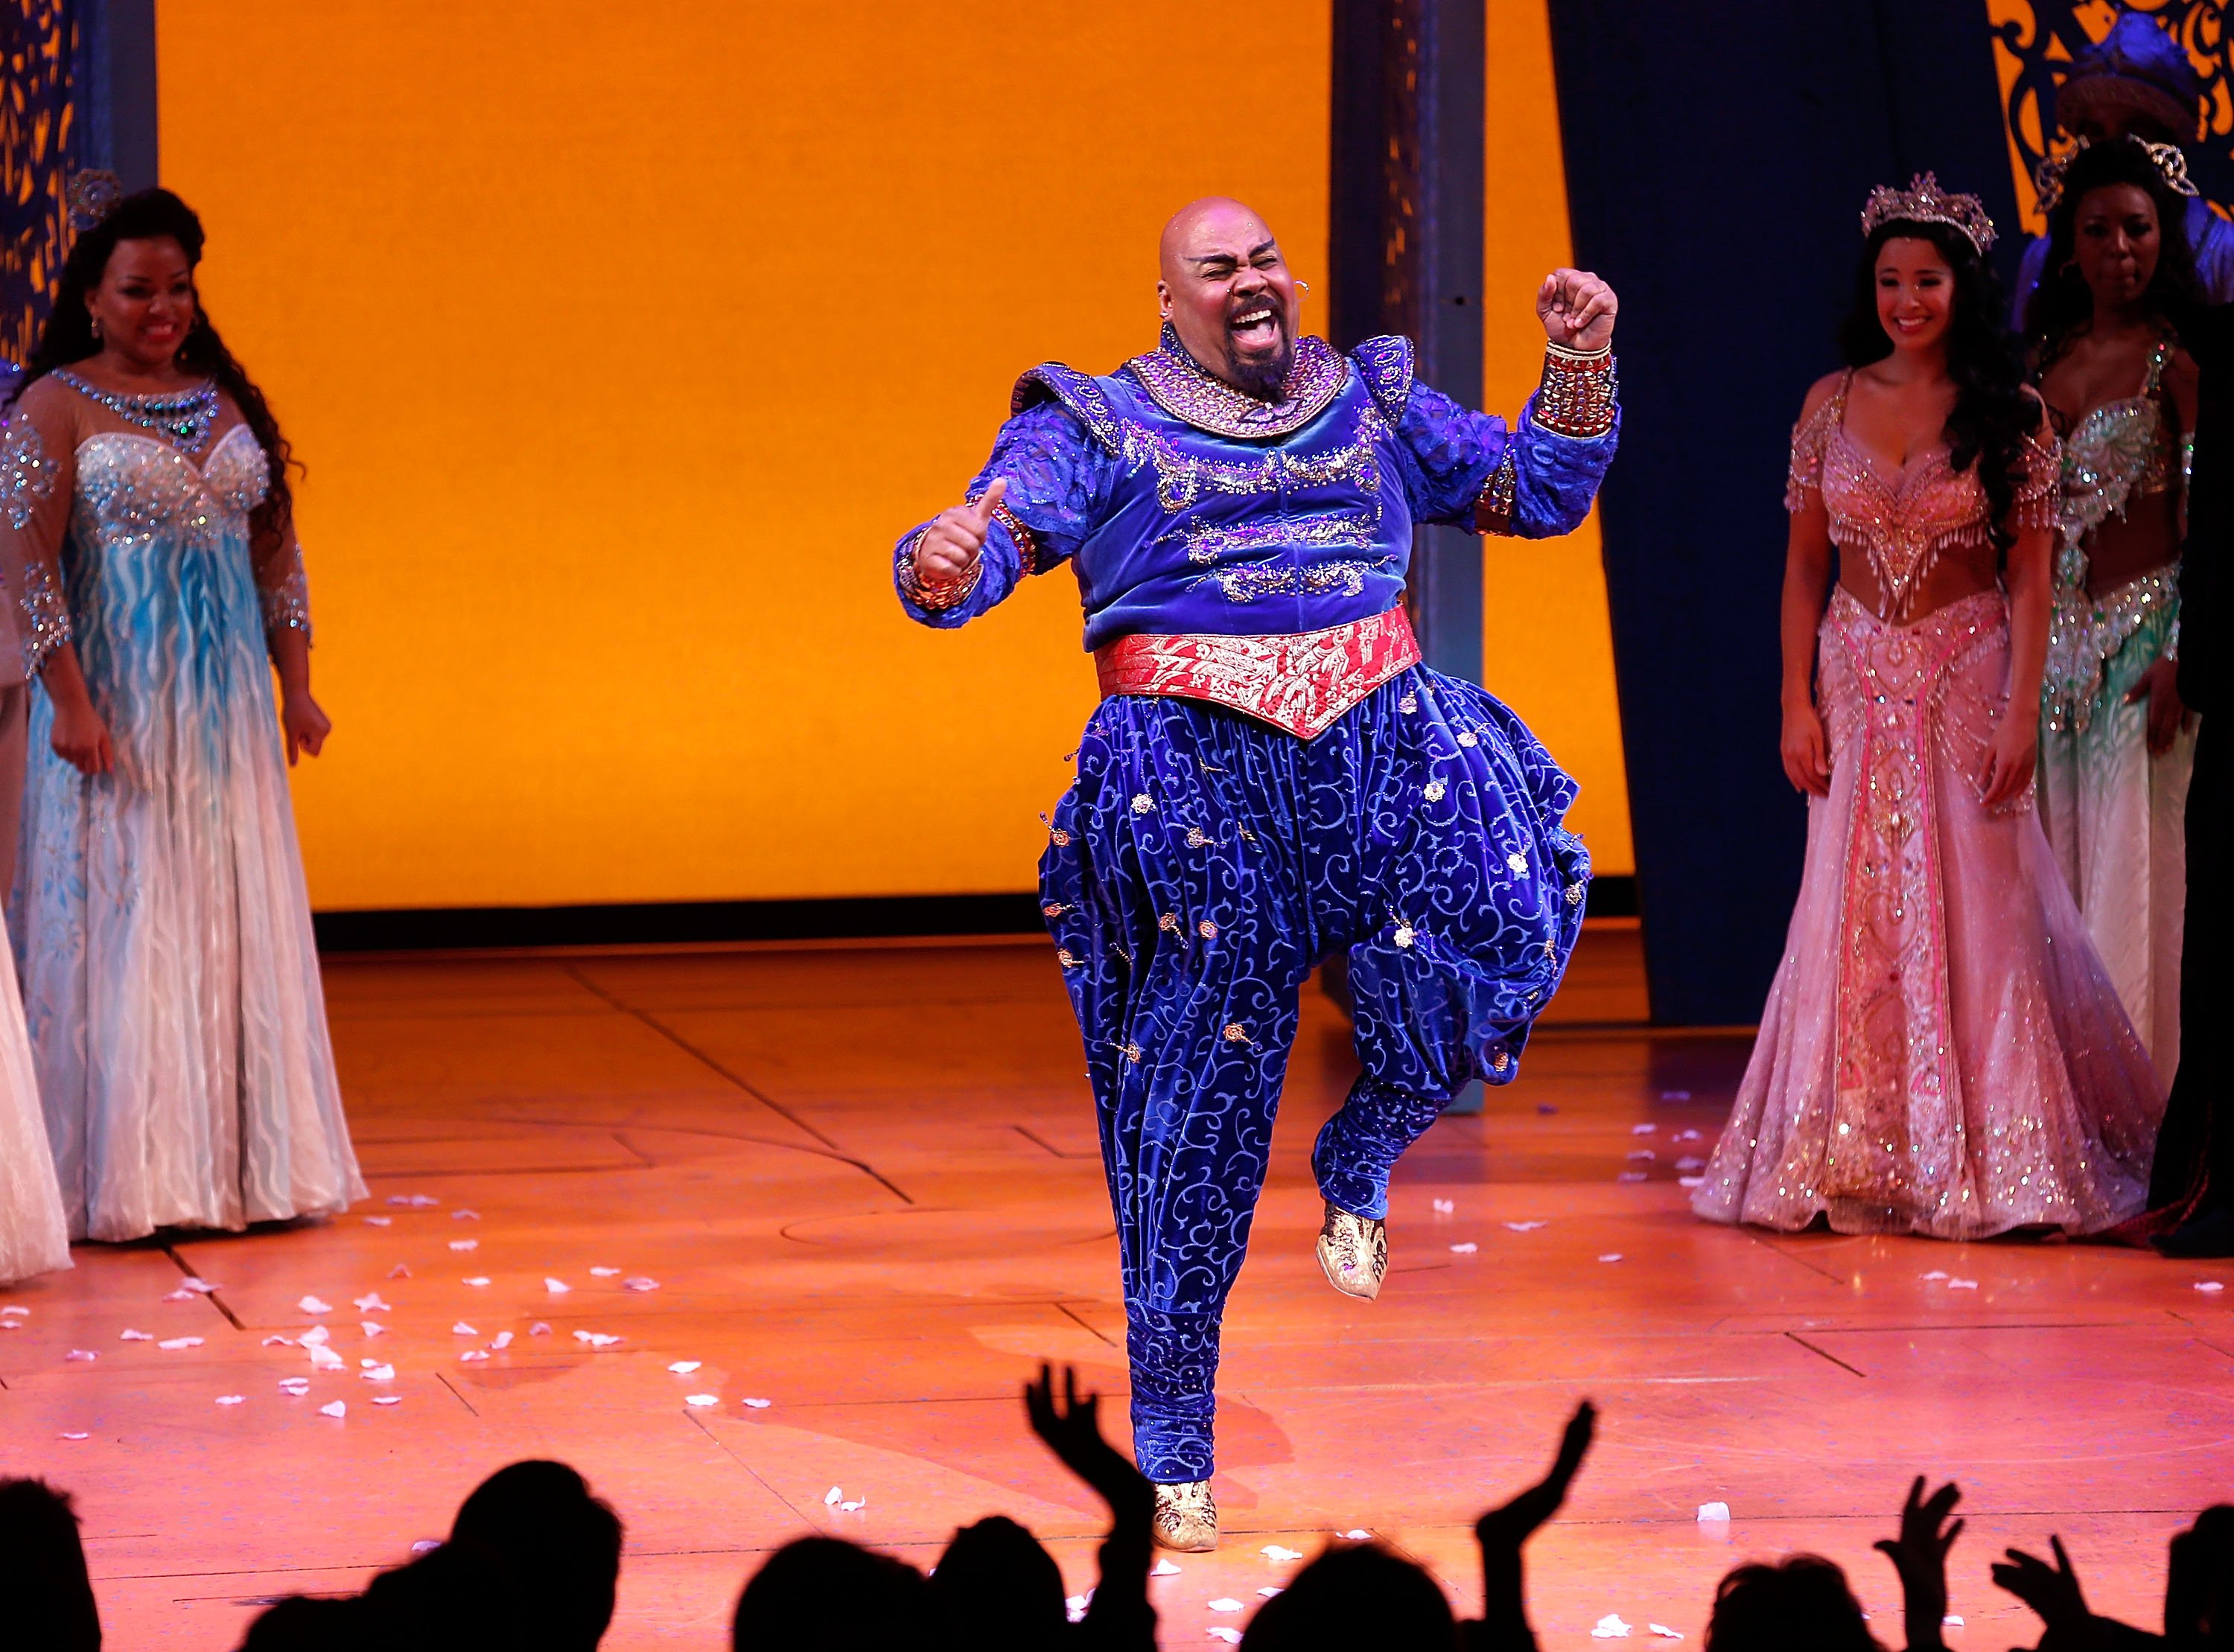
[{"x": 1942, "y": 1052}]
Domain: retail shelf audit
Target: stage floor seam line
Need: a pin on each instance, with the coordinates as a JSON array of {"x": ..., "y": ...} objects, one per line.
[
  {"x": 1833, "y": 1358},
  {"x": 759, "y": 1480},
  {"x": 443, "y": 1377},
  {"x": 738, "y": 1080}
]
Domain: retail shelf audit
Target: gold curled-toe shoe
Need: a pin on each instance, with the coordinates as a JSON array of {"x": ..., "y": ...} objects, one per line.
[
  {"x": 1354, "y": 1251},
  {"x": 1186, "y": 1517}
]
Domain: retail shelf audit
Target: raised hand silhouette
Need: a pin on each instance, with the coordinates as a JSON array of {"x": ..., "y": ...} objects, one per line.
[
  {"x": 2051, "y": 1592},
  {"x": 1504, "y": 1626},
  {"x": 1919, "y": 1555},
  {"x": 1120, "y": 1616}
]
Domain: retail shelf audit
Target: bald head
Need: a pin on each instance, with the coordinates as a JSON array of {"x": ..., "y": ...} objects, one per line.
[
  {"x": 1217, "y": 227},
  {"x": 1227, "y": 292}
]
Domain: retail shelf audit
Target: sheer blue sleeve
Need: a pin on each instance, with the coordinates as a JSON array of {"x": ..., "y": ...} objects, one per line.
[
  {"x": 1060, "y": 483},
  {"x": 1471, "y": 470}
]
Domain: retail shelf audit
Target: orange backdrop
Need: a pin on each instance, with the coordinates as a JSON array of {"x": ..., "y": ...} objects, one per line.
[{"x": 621, "y": 344}]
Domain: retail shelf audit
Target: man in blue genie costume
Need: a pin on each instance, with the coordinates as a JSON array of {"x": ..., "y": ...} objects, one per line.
[{"x": 1272, "y": 776}]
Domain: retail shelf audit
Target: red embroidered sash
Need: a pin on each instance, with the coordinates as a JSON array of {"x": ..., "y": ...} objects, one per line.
[{"x": 1300, "y": 683}]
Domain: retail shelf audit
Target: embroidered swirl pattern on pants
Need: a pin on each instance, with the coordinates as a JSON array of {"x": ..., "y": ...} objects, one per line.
[{"x": 1201, "y": 866}]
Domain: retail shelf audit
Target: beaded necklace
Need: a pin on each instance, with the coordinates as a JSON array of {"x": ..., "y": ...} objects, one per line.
[{"x": 181, "y": 417}]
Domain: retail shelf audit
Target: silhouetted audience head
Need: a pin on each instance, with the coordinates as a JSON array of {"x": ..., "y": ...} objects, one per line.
[
  {"x": 561, "y": 1545},
  {"x": 825, "y": 1595},
  {"x": 306, "y": 1623},
  {"x": 460, "y": 1597},
  {"x": 45, "y": 1595},
  {"x": 1354, "y": 1597},
  {"x": 997, "y": 1586},
  {"x": 2199, "y": 1585},
  {"x": 1801, "y": 1600}
]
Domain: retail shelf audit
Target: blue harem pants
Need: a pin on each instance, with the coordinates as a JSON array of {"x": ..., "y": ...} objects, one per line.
[{"x": 1201, "y": 866}]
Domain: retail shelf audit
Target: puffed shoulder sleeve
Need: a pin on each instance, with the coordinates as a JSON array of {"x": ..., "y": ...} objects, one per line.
[
  {"x": 1061, "y": 475},
  {"x": 1803, "y": 481},
  {"x": 37, "y": 477},
  {"x": 2040, "y": 481},
  {"x": 1536, "y": 479}
]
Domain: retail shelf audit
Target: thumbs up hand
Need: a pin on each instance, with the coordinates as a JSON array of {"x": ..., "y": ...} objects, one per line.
[{"x": 951, "y": 545}]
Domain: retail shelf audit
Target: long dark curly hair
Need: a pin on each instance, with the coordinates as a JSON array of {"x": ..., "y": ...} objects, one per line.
[
  {"x": 67, "y": 336},
  {"x": 2062, "y": 307},
  {"x": 1993, "y": 413}
]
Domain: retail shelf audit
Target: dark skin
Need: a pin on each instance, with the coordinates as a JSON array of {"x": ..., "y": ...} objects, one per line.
[
  {"x": 1897, "y": 414},
  {"x": 2115, "y": 242},
  {"x": 141, "y": 313}
]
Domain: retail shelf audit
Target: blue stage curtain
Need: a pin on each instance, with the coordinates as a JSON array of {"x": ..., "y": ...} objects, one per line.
[{"x": 1717, "y": 160}]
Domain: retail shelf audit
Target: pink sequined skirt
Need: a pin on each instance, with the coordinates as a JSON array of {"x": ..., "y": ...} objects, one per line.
[{"x": 1942, "y": 1052}]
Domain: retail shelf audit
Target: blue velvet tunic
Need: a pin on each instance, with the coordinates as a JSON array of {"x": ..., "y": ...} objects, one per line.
[
  {"x": 1205, "y": 862},
  {"x": 1173, "y": 526}
]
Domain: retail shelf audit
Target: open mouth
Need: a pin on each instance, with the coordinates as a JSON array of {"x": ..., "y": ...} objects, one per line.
[{"x": 1255, "y": 328}]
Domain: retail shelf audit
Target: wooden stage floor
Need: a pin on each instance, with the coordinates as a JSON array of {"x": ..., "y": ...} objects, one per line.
[{"x": 865, "y": 1181}]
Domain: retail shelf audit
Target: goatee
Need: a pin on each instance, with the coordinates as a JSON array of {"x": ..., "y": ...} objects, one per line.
[{"x": 1264, "y": 379}]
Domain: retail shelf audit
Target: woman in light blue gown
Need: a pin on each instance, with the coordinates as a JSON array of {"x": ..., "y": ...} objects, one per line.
[{"x": 162, "y": 926}]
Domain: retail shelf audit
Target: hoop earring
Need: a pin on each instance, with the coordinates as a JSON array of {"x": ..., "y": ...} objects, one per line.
[{"x": 96, "y": 329}]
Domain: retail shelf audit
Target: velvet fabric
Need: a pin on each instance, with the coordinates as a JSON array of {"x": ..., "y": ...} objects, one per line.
[{"x": 1198, "y": 869}]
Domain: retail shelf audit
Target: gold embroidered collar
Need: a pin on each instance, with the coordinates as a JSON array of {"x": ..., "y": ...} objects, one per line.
[{"x": 1184, "y": 390}]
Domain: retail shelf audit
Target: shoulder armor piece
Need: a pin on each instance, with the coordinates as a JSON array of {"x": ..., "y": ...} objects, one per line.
[
  {"x": 1079, "y": 392},
  {"x": 1385, "y": 364}
]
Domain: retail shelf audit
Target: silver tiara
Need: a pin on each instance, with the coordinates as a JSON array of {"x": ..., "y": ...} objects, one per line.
[
  {"x": 1924, "y": 202},
  {"x": 2169, "y": 159}
]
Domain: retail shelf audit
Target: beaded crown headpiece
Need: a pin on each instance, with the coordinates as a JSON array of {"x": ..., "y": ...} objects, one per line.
[
  {"x": 2170, "y": 160},
  {"x": 1924, "y": 202}
]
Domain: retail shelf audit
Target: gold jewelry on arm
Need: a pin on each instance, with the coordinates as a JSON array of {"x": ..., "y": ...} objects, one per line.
[
  {"x": 1578, "y": 395},
  {"x": 1028, "y": 548},
  {"x": 933, "y": 597},
  {"x": 1492, "y": 512}
]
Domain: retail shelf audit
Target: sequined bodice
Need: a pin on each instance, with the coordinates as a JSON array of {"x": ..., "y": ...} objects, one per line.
[
  {"x": 130, "y": 485},
  {"x": 2120, "y": 451},
  {"x": 1904, "y": 524}
]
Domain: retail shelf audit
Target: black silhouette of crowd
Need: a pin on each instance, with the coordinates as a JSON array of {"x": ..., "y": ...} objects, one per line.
[{"x": 533, "y": 1559}]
